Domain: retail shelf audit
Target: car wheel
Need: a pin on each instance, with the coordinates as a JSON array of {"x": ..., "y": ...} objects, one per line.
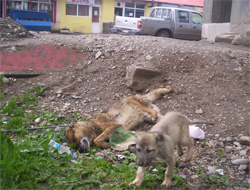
[{"x": 163, "y": 33}]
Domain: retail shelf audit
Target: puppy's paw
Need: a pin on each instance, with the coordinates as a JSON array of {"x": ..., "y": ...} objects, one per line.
[
  {"x": 135, "y": 182},
  {"x": 166, "y": 183}
]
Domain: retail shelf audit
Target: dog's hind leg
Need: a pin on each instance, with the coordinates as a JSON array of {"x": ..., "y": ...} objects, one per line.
[
  {"x": 169, "y": 172},
  {"x": 156, "y": 94},
  {"x": 179, "y": 149},
  {"x": 190, "y": 148}
]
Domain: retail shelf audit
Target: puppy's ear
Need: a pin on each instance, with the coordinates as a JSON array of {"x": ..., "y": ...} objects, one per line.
[{"x": 160, "y": 137}]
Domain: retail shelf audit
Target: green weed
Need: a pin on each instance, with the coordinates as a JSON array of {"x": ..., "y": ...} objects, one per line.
[
  {"x": 40, "y": 91},
  {"x": 216, "y": 179},
  {"x": 221, "y": 154}
]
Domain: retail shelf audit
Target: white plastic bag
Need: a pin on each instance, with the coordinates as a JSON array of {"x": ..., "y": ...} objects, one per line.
[{"x": 196, "y": 132}]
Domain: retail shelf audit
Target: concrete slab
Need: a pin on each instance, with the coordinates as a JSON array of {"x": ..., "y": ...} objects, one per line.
[{"x": 226, "y": 38}]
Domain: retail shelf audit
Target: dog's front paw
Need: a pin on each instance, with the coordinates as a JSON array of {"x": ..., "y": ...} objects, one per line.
[
  {"x": 135, "y": 182},
  {"x": 167, "y": 183}
]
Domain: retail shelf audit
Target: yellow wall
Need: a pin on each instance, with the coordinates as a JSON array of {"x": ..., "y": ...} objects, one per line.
[
  {"x": 148, "y": 7},
  {"x": 108, "y": 10},
  {"x": 74, "y": 23}
]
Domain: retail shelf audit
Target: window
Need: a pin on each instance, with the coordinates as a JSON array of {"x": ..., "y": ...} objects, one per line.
[
  {"x": 183, "y": 16},
  {"x": 196, "y": 18},
  {"x": 83, "y": 10},
  {"x": 71, "y": 9},
  {"x": 36, "y": 5},
  {"x": 167, "y": 14},
  {"x": 152, "y": 14},
  {"x": 134, "y": 9},
  {"x": 77, "y": 10},
  {"x": 158, "y": 13}
]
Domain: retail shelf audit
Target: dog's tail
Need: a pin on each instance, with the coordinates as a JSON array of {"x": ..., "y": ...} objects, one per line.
[
  {"x": 157, "y": 94},
  {"x": 196, "y": 121}
]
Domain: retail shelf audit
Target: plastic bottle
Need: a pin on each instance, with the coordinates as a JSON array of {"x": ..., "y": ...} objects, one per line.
[{"x": 61, "y": 149}]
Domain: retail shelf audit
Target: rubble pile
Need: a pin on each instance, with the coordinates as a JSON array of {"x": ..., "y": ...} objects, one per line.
[{"x": 12, "y": 30}]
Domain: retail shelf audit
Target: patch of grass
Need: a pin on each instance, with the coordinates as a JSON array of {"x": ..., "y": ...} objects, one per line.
[
  {"x": 221, "y": 154},
  {"x": 50, "y": 117},
  {"x": 40, "y": 91},
  {"x": 216, "y": 180}
]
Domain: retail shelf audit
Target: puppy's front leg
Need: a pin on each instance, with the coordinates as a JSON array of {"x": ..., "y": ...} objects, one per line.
[
  {"x": 139, "y": 176},
  {"x": 169, "y": 172}
]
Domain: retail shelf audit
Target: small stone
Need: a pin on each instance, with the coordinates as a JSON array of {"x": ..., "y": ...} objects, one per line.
[
  {"x": 101, "y": 154},
  {"x": 37, "y": 120},
  {"x": 211, "y": 170},
  {"x": 229, "y": 148},
  {"x": 242, "y": 167},
  {"x": 5, "y": 80},
  {"x": 247, "y": 181},
  {"x": 217, "y": 135},
  {"x": 229, "y": 139},
  {"x": 57, "y": 129},
  {"x": 193, "y": 177},
  {"x": 243, "y": 153},
  {"x": 244, "y": 140},
  {"x": 74, "y": 161},
  {"x": 98, "y": 54},
  {"x": 148, "y": 58},
  {"x": 240, "y": 161},
  {"x": 182, "y": 164},
  {"x": 199, "y": 111},
  {"x": 76, "y": 97}
]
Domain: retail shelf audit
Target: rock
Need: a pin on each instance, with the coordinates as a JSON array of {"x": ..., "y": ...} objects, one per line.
[
  {"x": 211, "y": 170},
  {"x": 242, "y": 167},
  {"x": 148, "y": 58},
  {"x": 182, "y": 164},
  {"x": 199, "y": 111},
  {"x": 37, "y": 120},
  {"x": 247, "y": 181},
  {"x": 240, "y": 161},
  {"x": 57, "y": 129},
  {"x": 138, "y": 78},
  {"x": 99, "y": 154},
  {"x": 194, "y": 177},
  {"x": 5, "y": 80},
  {"x": 245, "y": 140},
  {"x": 98, "y": 55},
  {"x": 243, "y": 153},
  {"x": 76, "y": 97}
]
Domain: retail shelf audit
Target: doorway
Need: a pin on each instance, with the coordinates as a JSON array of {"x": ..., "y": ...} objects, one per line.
[{"x": 96, "y": 20}]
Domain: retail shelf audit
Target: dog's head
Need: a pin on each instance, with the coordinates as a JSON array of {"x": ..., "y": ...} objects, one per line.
[
  {"x": 79, "y": 135},
  {"x": 84, "y": 145},
  {"x": 147, "y": 147}
]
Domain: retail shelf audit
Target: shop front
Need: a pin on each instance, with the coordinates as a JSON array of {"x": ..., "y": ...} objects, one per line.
[{"x": 85, "y": 16}]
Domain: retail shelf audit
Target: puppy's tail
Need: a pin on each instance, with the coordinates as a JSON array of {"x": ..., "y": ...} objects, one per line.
[
  {"x": 157, "y": 94},
  {"x": 196, "y": 121}
]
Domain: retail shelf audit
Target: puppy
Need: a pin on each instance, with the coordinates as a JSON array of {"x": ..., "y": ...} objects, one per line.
[
  {"x": 158, "y": 144},
  {"x": 128, "y": 113}
]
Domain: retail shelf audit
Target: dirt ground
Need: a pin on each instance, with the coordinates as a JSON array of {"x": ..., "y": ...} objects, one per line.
[{"x": 210, "y": 82}]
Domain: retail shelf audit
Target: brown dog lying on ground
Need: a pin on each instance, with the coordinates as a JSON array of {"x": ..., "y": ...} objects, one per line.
[
  {"x": 159, "y": 143},
  {"x": 127, "y": 113}
]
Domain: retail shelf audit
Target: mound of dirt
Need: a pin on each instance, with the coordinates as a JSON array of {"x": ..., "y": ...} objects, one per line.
[
  {"x": 210, "y": 82},
  {"x": 12, "y": 30}
]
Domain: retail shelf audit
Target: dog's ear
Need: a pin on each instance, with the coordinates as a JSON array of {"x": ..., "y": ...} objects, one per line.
[{"x": 160, "y": 137}]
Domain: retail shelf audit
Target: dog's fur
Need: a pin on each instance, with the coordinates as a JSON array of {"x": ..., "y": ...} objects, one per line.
[
  {"x": 159, "y": 143},
  {"x": 127, "y": 113}
]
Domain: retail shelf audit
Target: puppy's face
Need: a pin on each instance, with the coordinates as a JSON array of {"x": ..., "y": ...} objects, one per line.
[{"x": 147, "y": 147}]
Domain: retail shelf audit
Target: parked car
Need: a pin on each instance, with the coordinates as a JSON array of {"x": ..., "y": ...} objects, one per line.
[{"x": 164, "y": 22}]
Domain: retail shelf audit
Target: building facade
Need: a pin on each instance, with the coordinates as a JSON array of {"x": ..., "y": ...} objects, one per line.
[{"x": 91, "y": 16}]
